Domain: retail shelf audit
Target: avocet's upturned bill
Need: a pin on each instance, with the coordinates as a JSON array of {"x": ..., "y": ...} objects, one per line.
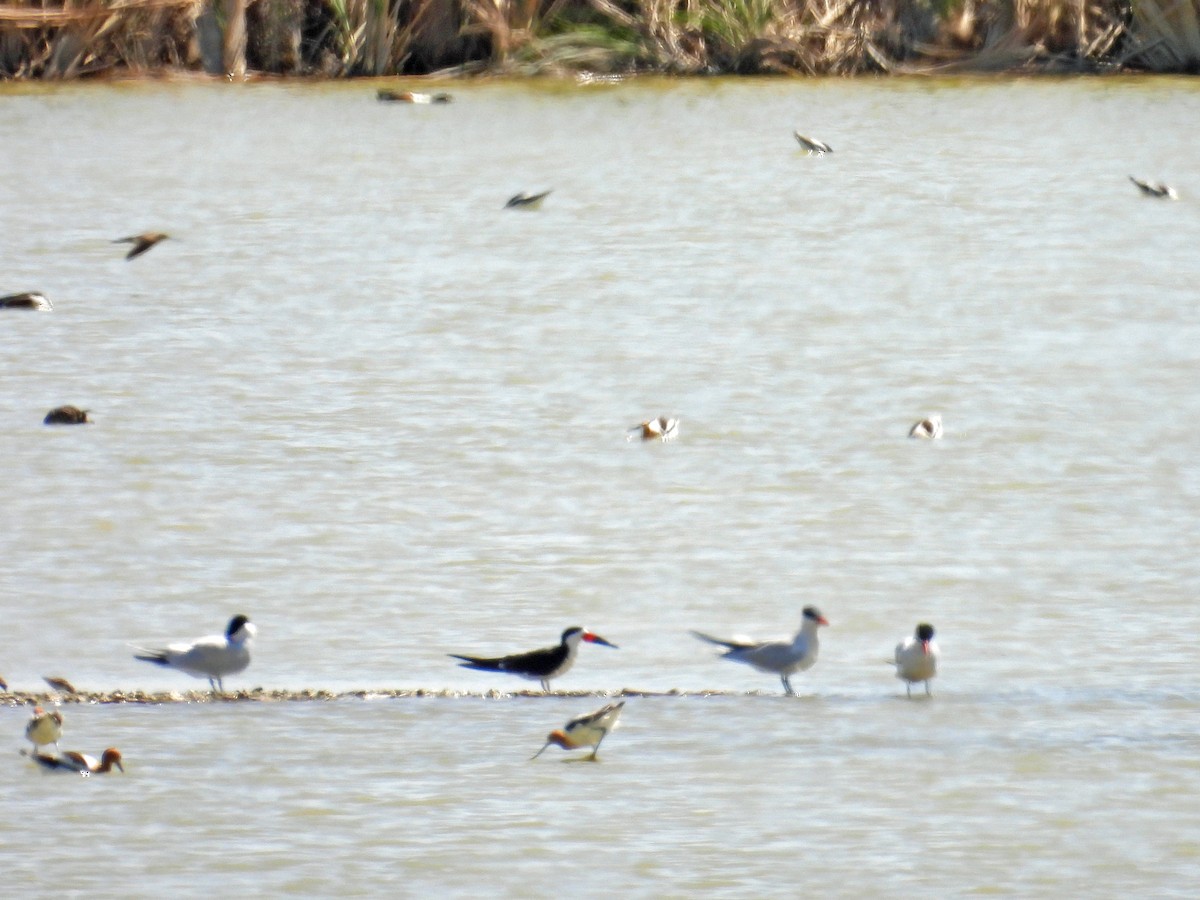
[
  {"x": 537, "y": 665},
  {"x": 72, "y": 761},
  {"x": 930, "y": 429},
  {"x": 782, "y": 658},
  {"x": 661, "y": 429},
  {"x": 44, "y": 727},
  {"x": 917, "y": 658},
  {"x": 209, "y": 657},
  {"x": 588, "y": 730}
]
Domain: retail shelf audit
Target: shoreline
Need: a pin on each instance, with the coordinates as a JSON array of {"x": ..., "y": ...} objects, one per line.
[{"x": 263, "y": 695}]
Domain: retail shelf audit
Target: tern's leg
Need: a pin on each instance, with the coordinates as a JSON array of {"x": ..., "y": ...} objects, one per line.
[
  {"x": 545, "y": 686},
  {"x": 787, "y": 686},
  {"x": 928, "y": 692},
  {"x": 908, "y": 688}
]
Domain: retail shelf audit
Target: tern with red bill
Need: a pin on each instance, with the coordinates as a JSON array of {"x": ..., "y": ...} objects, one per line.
[
  {"x": 537, "y": 665},
  {"x": 782, "y": 658},
  {"x": 917, "y": 658},
  {"x": 72, "y": 761},
  {"x": 586, "y": 731},
  {"x": 44, "y": 727}
]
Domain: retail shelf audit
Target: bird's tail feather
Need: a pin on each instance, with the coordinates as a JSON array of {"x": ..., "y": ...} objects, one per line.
[
  {"x": 712, "y": 640},
  {"x": 159, "y": 659},
  {"x": 474, "y": 662}
]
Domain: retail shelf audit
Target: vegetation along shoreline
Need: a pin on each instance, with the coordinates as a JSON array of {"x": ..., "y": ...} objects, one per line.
[{"x": 67, "y": 39}]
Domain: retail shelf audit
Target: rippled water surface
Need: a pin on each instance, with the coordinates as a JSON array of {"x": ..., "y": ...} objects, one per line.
[{"x": 357, "y": 400}]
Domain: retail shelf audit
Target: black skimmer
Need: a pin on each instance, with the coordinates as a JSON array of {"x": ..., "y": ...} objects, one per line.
[
  {"x": 59, "y": 684},
  {"x": 929, "y": 429},
  {"x": 30, "y": 300},
  {"x": 73, "y": 761},
  {"x": 781, "y": 658},
  {"x": 660, "y": 429},
  {"x": 526, "y": 201},
  {"x": 209, "y": 657},
  {"x": 141, "y": 242},
  {"x": 1155, "y": 189},
  {"x": 811, "y": 145},
  {"x": 917, "y": 658},
  {"x": 44, "y": 728},
  {"x": 537, "y": 665},
  {"x": 586, "y": 731},
  {"x": 67, "y": 415},
  {"x": 389, "y": 96}
]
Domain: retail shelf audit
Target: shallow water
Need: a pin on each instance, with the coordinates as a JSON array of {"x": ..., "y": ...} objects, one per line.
[{"x": 357, "y": 400}]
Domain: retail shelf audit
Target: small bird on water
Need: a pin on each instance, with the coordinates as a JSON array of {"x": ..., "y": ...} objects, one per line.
[
  {"x": 538, "y": 665},
  {"x": 44, "y": 728},
  {"x": 588, "y": 730},
  {"x": 929, "y": 429},
  {"x": 67, "y": 415},
  {"x": 73, "y": 761},
  {"x": 811, "y": 145},
  {"x": 526, "y": 201},
  {"x": 782, "y": 658},
  {"x": 661, "y": 429},
  {"x": 209, "y": 657},
  {"x": 28, "y": 300},
  {"x": 1155, "y": 189},
  {"x": 141, "y": 242},
  {"x": 917, "y": 658}
]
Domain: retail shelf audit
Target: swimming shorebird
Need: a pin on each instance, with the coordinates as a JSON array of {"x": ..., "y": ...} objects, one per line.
[
  {"x": 526, "y": 201},
  {"x": 930, "y": 428},
  {"x": 44, "y": 727},
  {"x": 390, "y": 96},
  {"x": 66, "y": 415},
  {"x": 537, "y": 665},
  {"x": 141, "y": 242},
  {"x": 59, "y": 684},
  {"x": 29, "y": 300},
  {"x": 917, "y": 658},
  {"x": 812, "y": 145},
  {"x": 782, "y": 658},
  {"x": 210, "y": 657},
  {"x": 660, "y": 429},
  {"x": 586, "y": 731},
  {"x": 73, "y": 761},
  {"x": 1155, "y": 189}
]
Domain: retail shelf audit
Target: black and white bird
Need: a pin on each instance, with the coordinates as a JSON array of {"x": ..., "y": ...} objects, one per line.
[
  {"x": 929, "y": 428},
  {"x": 210, "y": 657},
  {"x": 917, "y": 658},
  {"x": 588, "y": 730},
  {"x": 811, "y": 145},
  {"x": 661, "y": 429},
  {"x": 782, "y": 658},
  {"x": 28, "y": 300},
  {"x": 1155, "y": 189},
  {"x": 73, "y": 761},
  {"x": 526, "y": 201},
  {"x": 537, "y": 665}
]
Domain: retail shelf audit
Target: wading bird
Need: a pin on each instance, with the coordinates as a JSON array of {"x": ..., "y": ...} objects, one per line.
[
  {"x": 660, "y": 429},
  {"x": 73, "y": 761},
  {"x": 210, "y": 657},
  {"x": 917, "y": 658},
  {"x": 782, "y": 658},
  {"x": 586, "y": 731},
  {"x": 44, "y": 728},
  {"x": 537, "y": 665}
]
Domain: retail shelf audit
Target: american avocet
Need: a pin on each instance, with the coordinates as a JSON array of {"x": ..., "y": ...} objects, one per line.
[
  {"x": 812, "y": 145},
  {"x": 209, "y": 657},
  {"x": 73, "y": 761},
  {"x": 29, "y": 300},
  {"x": 537, "y": 665},
  {"x": 917, "y": 658},
  {"x": 44, "y": 727},
  {"x": 1155, "y": 189},
  {"x": 526, "y": 201},
  {"x": 66, "y": 415},
  {"x": 661, "y": 429},
  {"x": 141, "y": 242},
  {"x": 930, "y": 428},
  {"x": 586, "y": 731},
  {"x": 782, "y": 658}
]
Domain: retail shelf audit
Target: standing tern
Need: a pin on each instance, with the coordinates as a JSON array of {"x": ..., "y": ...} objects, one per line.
[
  {"x": 588, "y": 730},
  {"x": 44, "y": 727},
  {"x": 537, "y": 665},
  {"x": 73, "y": 761},
  {"x": 209, "y": 657},
  {"x": 917, "y": 658},
  {"x": 781, "y": 658}
]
